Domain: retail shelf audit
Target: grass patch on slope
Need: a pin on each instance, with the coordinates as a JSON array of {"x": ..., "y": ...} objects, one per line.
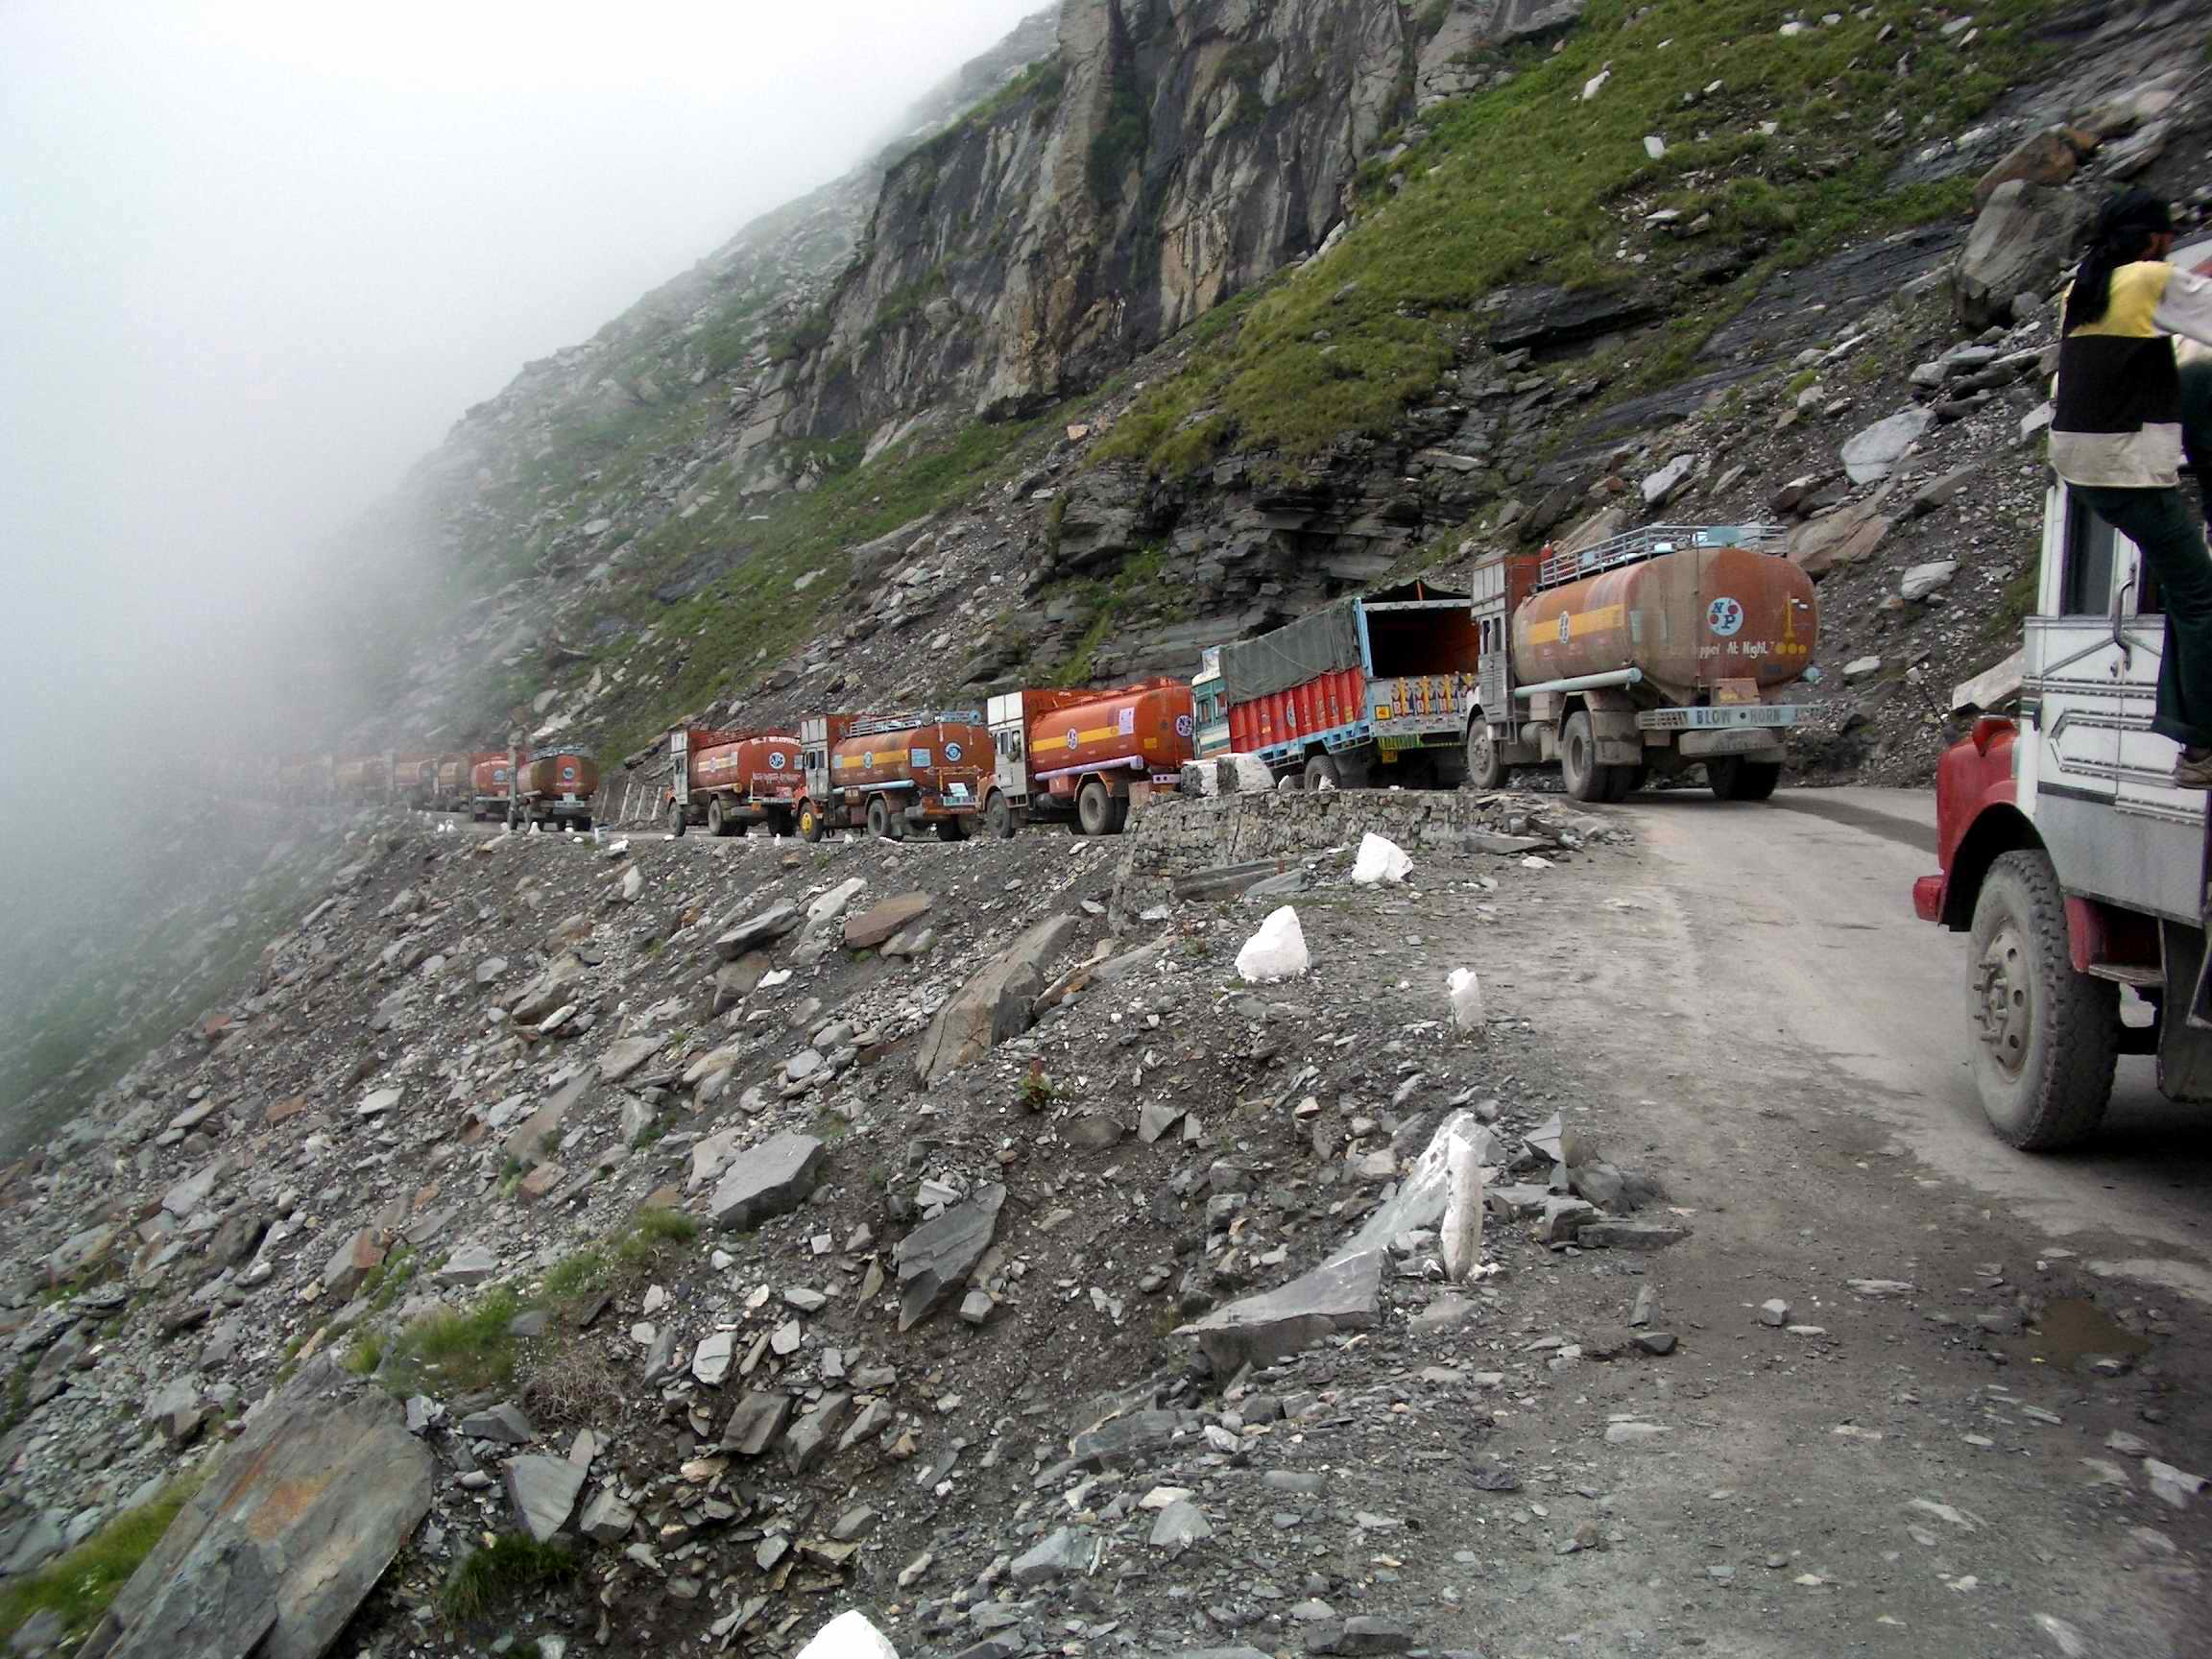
[
  {"x": 77, "y": 1586},
  {"x": 513, "y": 1564},
  {"x": 717, "y": 642},
  {"x": 1515, "y": 184},
  {"x": 459, "y": 1350}
]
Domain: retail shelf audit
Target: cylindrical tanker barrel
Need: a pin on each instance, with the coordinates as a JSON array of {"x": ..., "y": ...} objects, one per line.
[
  {"x": 490, "y": 777},
  {"x": 1685, "y": 620},
  {"x": 1144, "y": 730},
  {"x": 763, "y": 767},
  {"x": 944, "y": 767},
  {"x": 561, "y": 774}
]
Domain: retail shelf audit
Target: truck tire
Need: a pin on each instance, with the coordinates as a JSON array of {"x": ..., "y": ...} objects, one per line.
[
  {"x": 999, "y": 816},
  {"x": 1093, "y": 808},
  {"x": 1735, "y": 779},
  {"x": 811, "y": 825},
  {"x": 1578, "y": 767},
  {"x": 677, "y": 822},
  {"x": 2045, "y": 1038},
  {"x": 716, "y": 823},
  {"x": 1323, "y": 772},
  {"x": 951, "y": 829},
  {"x": 1120, "y": 815},
  {"x": 878, "y": 818},
  {"x": 1484, "y": 769}
]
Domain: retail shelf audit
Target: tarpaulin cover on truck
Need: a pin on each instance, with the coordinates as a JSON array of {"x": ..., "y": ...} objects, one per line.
[{"x": 1320, "y": 643}]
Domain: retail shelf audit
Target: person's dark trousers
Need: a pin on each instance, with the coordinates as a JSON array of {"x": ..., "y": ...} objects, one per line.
[
  {"x": 2162, "y": 524},
  {"x": 2197, "y": 425}
]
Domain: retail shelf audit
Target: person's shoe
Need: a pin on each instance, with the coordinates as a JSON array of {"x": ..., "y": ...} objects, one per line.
[{"x": 2194, "y": 769}]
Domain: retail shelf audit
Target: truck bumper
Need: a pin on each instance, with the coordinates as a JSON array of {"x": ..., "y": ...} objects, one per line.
[{"x": 1928, "y": 898}]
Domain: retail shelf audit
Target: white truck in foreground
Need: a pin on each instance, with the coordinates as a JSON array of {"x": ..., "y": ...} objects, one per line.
[{"x": 2068, "y": 855}]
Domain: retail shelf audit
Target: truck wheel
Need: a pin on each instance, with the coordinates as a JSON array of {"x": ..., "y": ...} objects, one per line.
[
  {"x": 809, "y": 820},
  {"x": 677, "y": 822},
  {"x": 1120, "y": 815},
  {"x": 1323, "y": 772},
  {"x": 1735, "y": 779},
  {"x": 951, "y": 829},
  {"x": 999, "y": 816},
  {"x": 1093, "y": 808},
  {"x": 1484, "y": 769},
  {"x": 1585, "y": 779},
  {"x": 878, "y": 818},
  {"x": 2046, "y": 1037},
  {"x": 716, "y": 823}
]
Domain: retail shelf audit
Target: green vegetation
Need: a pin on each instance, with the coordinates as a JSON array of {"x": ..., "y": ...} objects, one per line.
[
  {"x": 720, "y": 640},
  {"x": 1521, "y": 184},
  {"x": 77, "y": 1587},
  {"x": 1141, "y": 573},
  {"x": 451, "y": 1351},
  {"x": 511, "y": 1565},
  {"x": 1119, "y": 144},
  {"x": 1038, "y": 1090}
]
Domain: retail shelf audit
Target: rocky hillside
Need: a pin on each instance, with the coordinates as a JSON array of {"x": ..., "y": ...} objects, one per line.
[
  {"x": 1207, "y": 316},
  {"x": 554, "y": 1247}
]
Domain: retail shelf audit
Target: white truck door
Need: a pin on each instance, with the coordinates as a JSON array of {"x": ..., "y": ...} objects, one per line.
[{"x": 2115, "y": 826}]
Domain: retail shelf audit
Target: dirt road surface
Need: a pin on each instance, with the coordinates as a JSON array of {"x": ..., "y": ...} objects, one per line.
[{"x": 1950, "y": 1460}]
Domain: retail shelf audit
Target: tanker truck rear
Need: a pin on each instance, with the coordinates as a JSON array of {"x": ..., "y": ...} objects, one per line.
[
  {"x": 893, "y": 773},
  {"x": 729, "y": 781},
  {"x": 1086, "y": 757},
  {"x": 1672, "y": 646},
  {"x": 1370, "y": 691},
  {"x": 554, "y": 789}
]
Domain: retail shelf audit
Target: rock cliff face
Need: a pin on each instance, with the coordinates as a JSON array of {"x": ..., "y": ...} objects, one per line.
[{"x": 1170, "y": 156}]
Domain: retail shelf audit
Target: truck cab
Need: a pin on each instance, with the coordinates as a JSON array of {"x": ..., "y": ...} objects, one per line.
[{"x": 2067, "y": 854}]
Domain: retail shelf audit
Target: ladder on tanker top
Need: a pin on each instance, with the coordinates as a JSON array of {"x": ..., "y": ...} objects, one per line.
[{"x": 1651, "y": 543}]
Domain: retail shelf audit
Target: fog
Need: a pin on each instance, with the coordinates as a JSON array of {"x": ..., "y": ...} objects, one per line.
[{"x": 256, "y": 257}]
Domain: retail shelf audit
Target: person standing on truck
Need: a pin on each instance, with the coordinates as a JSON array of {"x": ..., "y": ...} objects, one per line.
[{"x": 2116, "y": 437}]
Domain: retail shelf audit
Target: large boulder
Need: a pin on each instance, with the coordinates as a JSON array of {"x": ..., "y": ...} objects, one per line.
[
  {"x": 994, "y": 1005},
  {"x": 768, "y": 1181},
  {"x": 328, "y": 1489},
  {"x": 2020, "y": 243},
  {"x": 936, "y": 1258},
  {"x": 1338, "y": 1295},
  {"x": 549, "y": 991}
]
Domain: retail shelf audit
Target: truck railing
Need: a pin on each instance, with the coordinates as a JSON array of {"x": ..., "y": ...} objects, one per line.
[
  {"x": 868, "y": 725},
  {"x": 1651, "y": 543}
]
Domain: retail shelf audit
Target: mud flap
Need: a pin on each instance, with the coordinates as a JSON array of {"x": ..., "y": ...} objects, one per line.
[{"x": 2185, "y": 1044}]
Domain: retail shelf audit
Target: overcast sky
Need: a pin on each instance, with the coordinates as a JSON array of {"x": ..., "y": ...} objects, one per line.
[{"x": 255, "y": 258}]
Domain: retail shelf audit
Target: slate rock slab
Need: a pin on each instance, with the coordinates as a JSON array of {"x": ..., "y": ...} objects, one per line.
[
  {"x": 1338, "y": 1295},
  {"x": 936, "y": 1258},
  {"x": 768, "y": 1180},
  {"x": 542, "y": 1492},
  {"x": 332, "y": 1486}
]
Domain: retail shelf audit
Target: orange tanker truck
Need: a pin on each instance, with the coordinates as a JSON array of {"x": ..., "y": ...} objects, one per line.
[
  {"x": 1670, "y": 647},
  {"x": 729, "y": 779},
  {"x": 893, "y": 773},
  {"x": 554, "y": 789},
  {"x": 1084, "y": 758},
  {"x": 491, "y": 782}
]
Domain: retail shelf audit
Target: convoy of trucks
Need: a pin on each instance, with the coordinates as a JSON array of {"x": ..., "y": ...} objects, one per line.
[{"x": 1635, "y": 658}]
